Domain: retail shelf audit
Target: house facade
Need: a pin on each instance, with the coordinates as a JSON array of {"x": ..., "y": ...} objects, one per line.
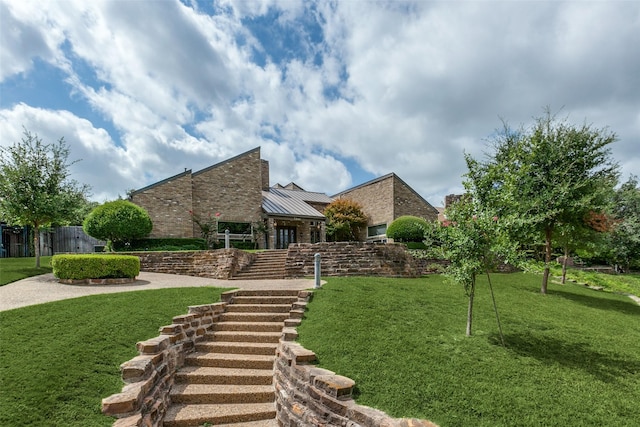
[
  {"x": 236, "y": 194},
  {"x": 384, "y": 199}
]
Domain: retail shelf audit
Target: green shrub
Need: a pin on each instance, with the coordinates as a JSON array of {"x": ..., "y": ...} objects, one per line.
[
  {"x": 79, "y": 267},
  {"x": 407, "y": 229},
  {"x": 162, "y": 244},
  {"x": 416, "y": 245},
  {"x": 118, "y": 221},
  {"x": 238, "y": 244}
]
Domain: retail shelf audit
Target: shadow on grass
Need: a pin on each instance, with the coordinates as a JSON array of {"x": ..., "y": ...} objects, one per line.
[
  {"x": 597, "y": 301},
  {"x": 574, "y": 355}
]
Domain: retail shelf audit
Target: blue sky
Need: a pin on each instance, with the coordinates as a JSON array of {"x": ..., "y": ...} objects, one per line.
[{"x": 334, "y": 92}]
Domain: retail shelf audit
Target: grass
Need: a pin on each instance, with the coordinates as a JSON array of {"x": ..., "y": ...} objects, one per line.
[
  {"x": 13, "y": 269},
  {"x": 59, "y": 360},
  {"x": 628, "y": 283},
  {"x": 572, "y": 356}
]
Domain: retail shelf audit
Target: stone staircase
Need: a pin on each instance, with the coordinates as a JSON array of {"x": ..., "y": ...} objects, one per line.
[
  {"x": 268, "y": 264},
  {"x": 228, "y": 379}
]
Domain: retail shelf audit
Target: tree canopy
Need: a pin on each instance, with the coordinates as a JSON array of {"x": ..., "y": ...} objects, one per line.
[
  {"x": 345, "y": 220},
  {"x": 35, "y": 188},
  {"x": 624, "y": 240},
  {"x": 118, "y": 221},
  {"x": 546, "y": 177}
]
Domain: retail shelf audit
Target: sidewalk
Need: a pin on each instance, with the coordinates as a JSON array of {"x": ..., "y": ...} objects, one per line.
[{"x": 45, "y": 288}]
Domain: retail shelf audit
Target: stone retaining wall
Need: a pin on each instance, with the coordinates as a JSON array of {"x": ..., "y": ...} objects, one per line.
[
  {"x": 351, "y": 259},
  {"x": 217, "y": 264},
  {"x": 308, "y": 396},
  {"x": 149, "y": 376}
]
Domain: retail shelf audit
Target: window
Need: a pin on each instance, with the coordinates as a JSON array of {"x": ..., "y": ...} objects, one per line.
[
  {"x": 376, "y": 230},
  {"x": 234, "y": 227}
]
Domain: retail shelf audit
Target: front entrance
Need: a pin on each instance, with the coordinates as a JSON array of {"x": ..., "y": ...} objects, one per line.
[{"x": 284, "y": 236}]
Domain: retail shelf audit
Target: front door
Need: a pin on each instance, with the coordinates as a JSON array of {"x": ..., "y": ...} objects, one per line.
[{"x": 284, "y": 236}]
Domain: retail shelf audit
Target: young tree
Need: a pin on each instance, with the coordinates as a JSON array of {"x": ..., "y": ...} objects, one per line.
[
  {"x": 472, "y": 241},
  {"x": 35, "y": 189},
  {"x": 554, "y": 173},
  {"x": 345, "y": 219},
  {"x": 118, "y": 221}
]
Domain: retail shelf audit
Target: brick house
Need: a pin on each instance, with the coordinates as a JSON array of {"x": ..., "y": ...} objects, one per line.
[
  {"x": 237, "y": 192},
  {"x": 385, "y": 199}
]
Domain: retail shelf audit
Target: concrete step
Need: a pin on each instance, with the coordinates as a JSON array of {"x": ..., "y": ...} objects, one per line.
[
  {"x": 260, "y": 275},
  {"x": 215, "y": 414},
  {"x": 242, "y": 361},
  {"x": 243, "y": 336},
  {"x": 262, "y": 423},
  {"x": 236, "y": 347},
  {"x": 270, "y": 299},
  {"x": 212, "y": 375},
  {"x": 253, "y": 317},
  {"x": 221, "y": 393},
  {"x": 258, "y": 308},
  {"x": 271, "y": 292},
  {"x": 249, "y": 326}
]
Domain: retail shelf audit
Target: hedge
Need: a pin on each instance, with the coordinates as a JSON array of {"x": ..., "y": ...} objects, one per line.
[
  {"x": 80, "y": 267},
  {"x": 160, "y": 244}
]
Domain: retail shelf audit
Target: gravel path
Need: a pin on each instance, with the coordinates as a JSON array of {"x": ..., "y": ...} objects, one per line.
[{"x": 45, "y": 288}]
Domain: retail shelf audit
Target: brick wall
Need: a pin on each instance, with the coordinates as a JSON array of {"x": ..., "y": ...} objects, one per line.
[
  {"x": 217, "y": 264},
  {"x": 407, "y": 202},
  {"x": 351, "y": 259},
  {"x": 388, "y": 198},
  {"x": 233, "y": 188},
  {"x": 376, "y": 199},
  {"x": 168, "y": 204}
]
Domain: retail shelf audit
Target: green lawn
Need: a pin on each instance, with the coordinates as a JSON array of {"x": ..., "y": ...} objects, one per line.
[
  {"x": 12, "y": 269},
  {"x": 572, "y": 356},
  {"x": 58, "y": 360}
]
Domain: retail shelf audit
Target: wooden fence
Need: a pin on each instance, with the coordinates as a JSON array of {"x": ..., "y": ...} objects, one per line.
[{"x": 68, "y": 240}]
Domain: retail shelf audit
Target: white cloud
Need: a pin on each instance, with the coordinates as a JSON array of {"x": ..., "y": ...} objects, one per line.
[{"x": 401, "y": 87}]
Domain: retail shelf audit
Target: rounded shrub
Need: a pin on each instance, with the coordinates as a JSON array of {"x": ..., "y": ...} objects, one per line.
[
  {"x": 118, "y": 221},
  {"x": 80, "y": 267},
  {"x": 407, "y": 229}
]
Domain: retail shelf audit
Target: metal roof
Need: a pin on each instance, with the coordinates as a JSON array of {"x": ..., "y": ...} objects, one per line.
[{"x": 279, "y": 201}]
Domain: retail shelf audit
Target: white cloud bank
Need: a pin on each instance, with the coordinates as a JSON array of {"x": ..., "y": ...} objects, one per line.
[{"x": 156, "y": 87}]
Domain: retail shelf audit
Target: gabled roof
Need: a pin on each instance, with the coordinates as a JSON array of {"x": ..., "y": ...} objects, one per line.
[
  {"x": 281, "y": 201},
  {"x": 227, "y": 161},
  {"x": 156, "y": 184},
  {"x": 391, "y": 175}
]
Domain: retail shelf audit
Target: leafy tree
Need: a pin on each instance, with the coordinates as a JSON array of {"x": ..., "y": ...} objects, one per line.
[
  {"x": 35, "y": 189},
  {"x": 118, "y": 221},
  {"x": 407, "y": 228},
  {"x": 345, "y": 220},
  {"x": 550, "y": 175},
  {"x": 624, "y": 241}
]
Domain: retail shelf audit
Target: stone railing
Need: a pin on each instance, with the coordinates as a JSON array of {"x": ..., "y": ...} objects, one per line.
[
  {"x": 308, "y": 396},
  {"x": 217, "y": 264},
  {"x": 351, "y": 259},
  {"x": 149, "y": 376}
]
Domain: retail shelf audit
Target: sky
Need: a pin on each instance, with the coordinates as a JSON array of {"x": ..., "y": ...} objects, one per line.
[{"x": 335, "y": 93}]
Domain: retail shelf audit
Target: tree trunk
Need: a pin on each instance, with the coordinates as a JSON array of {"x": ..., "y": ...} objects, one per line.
[
  {"x": 547, "y": 259},
  {"x": 564, "y": 264},
  {"x": 470, "y": 309},
  {"x": 36, "y": 244}
]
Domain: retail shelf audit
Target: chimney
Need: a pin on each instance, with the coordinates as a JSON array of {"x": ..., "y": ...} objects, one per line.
[{"x": 265, "y": 175}]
